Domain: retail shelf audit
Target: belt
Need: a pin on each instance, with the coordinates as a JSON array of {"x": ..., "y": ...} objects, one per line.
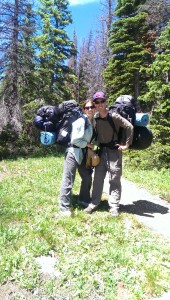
[{"x": 111, "y": 145}]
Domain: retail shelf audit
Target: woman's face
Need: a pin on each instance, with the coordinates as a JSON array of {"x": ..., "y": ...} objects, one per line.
[{"x": 89, "y": 109}]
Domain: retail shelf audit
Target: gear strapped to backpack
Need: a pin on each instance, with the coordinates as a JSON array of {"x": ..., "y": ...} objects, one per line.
[
  {"x": 125, "y": 105},
  {"x": 55, "y": 122}
]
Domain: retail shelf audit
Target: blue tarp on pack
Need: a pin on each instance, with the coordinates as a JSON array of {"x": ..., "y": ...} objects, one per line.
[
  {"x": 47, "y": 138},
  {"x": 142, "y": 119}
]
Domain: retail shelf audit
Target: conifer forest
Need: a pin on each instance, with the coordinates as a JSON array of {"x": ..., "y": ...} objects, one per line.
[{"x": 39, "y": 65}]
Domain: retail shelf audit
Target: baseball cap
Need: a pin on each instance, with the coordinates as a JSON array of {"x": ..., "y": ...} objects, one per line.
[{"x": 99, "y": 95}]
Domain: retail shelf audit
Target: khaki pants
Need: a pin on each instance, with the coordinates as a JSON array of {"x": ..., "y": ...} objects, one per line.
[{"x": 111, "y": 162}]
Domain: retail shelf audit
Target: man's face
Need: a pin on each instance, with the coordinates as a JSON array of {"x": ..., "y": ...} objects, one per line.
[{"x": 100, "y": 104}]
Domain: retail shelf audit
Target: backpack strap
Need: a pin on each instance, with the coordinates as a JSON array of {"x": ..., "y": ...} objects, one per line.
[
  {"x": 120, "y": 134},
  {"x": 111, "y": 122}
]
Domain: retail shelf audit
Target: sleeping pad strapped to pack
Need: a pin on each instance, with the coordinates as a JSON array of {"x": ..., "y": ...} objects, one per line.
[{"x": 125, "y": 105}]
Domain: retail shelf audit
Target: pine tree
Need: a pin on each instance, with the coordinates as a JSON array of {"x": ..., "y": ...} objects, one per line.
[
  {"x": 127, "y": 39},
  {"x": 72, "y": 64},
  {"x": 54, "y": 48},
  {"x": 159, "y": 96},
  {"x": 27, "y": 81},
  {"x": 13, "y": 59}
]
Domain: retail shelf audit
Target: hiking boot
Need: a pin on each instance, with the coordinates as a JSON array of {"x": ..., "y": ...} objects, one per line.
[
  {"x": 114, "y": 212},
  {"x": 90, "y": 208},
  {"x": 83, "y": 203}
]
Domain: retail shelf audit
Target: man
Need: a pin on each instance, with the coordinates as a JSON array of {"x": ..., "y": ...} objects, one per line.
[{"x": 107, "y": 128}]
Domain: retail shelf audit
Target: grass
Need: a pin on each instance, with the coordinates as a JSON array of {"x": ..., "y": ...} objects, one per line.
[
  {"x": 140, "y": 168},
  {"x": 155, "y": 181},
  {"x": 97, "y": 257}
]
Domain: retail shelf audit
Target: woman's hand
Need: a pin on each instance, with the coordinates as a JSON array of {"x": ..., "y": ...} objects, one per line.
[{"x": 91, "y": 146}]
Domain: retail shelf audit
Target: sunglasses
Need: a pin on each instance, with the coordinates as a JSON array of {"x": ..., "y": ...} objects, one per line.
[
  {"x": 89, "y": 107},
  {"x": 101, "y": 101}
]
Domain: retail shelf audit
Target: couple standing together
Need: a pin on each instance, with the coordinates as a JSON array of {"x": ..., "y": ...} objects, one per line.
[{"x": 97, "y": 121}]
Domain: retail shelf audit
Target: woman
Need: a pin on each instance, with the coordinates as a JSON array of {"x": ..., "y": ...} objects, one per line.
[{"x": 82, "y": 132}]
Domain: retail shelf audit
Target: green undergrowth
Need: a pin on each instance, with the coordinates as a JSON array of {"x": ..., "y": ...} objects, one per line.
[{"x": 97, "y": 257}]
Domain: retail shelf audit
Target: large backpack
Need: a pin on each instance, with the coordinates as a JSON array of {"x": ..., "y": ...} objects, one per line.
[
  {"x": 126, "y": 106},
  {"x": 55, "y": 122}
]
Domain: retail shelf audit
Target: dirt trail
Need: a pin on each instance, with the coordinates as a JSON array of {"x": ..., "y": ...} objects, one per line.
[{"x": 149, "y": 209}]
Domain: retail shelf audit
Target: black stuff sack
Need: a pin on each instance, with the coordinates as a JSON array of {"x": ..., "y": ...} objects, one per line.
[{"x": 142, "y": 138}]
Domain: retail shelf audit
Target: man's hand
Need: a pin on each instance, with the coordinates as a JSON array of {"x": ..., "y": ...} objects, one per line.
[{"x": 122, "y": 147}]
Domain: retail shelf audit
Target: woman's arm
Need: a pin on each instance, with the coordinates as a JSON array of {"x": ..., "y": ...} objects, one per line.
[{"x": 78, "y": 132}]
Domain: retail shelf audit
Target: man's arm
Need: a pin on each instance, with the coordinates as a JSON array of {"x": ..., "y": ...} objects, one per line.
[{"x": 119, "y": 121}]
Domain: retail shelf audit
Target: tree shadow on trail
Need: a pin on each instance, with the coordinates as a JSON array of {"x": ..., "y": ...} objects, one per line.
[
  {"x": 140, "y": 207},
  {"x": 144, "y": 208}
]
